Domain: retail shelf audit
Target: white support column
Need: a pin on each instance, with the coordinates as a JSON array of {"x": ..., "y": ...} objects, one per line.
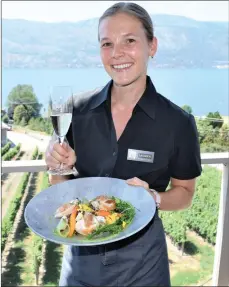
[{"x": 221, "y": 262}]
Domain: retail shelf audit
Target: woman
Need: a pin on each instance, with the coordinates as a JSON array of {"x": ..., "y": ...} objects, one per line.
[{"x": 129, "y": 131}]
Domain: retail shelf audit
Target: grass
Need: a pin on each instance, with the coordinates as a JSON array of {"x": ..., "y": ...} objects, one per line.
[
  {"x": 205, "y": 256},
  {"x": 12, "y": 275},
  {"x": 53, "y": 262},
  {"x": 19, "y": 270},
  {"x": 54, "y": 253},
  {"x": 185, "y": 278},
  {"x": 19, "y": 267}
]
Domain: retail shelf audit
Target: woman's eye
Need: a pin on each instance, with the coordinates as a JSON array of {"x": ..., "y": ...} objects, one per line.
[
  {"x": 106, "y": 44},
  {"x": 129, "y": 41}
]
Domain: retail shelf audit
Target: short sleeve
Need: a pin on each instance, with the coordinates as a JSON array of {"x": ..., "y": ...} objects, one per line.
[{"x": 185, "y": 162}]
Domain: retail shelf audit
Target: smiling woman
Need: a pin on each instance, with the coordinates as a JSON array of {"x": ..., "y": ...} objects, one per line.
[
  {"x": 127, "y": 42},
  {"x": 129, "y": 131}
]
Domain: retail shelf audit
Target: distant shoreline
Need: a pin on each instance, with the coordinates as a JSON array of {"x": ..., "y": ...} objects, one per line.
[{"x": 203, "y": 89}]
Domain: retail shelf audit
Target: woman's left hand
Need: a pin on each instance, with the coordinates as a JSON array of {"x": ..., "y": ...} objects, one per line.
[{"x": 138, "y": 182}]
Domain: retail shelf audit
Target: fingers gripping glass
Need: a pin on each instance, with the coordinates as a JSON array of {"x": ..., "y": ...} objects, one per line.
[{"x": 60, "y": 110}]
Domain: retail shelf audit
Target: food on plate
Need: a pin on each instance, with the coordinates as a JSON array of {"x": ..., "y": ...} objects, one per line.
[
  {"x": 101, "y": 216},
  {"x": 66, "y": 209},
  {"x": 103, "y": 202}
]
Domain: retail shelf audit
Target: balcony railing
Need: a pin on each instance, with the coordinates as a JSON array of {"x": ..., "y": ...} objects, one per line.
[{"x": 221, "y": 260}]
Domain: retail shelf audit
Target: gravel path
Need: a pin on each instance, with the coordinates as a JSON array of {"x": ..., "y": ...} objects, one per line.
[
  {"x": 28, "y": 144},
  {"x": 29, "y": 141}
]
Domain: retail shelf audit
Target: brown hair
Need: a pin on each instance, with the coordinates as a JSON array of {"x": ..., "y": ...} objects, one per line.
[{"x": 132, "y": 9}]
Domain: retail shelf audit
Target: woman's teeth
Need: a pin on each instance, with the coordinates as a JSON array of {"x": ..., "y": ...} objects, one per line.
[{"x": 123, "y": 66}]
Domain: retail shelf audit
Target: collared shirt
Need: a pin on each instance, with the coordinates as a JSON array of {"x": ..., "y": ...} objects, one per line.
[{"x": 160, "y": 140}]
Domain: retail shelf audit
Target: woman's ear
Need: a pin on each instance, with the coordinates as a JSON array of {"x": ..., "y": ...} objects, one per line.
[{"x": 153, "y": 47}]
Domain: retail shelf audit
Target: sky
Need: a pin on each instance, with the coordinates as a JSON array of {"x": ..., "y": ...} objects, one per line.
[{"x": 73, "y": 11}]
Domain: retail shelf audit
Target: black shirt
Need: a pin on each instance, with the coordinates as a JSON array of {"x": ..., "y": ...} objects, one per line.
[{"x": 157, "y": 125}]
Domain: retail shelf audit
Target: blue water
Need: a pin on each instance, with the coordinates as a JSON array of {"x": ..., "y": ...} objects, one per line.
[{"x": 204, "y": 90}]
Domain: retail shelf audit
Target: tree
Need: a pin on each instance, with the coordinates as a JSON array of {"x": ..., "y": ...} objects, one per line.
[
  {"x": 5, "y": 119},
  {"x": 219, "y": 120},
  {"x": 23, "y": 94},
  {"x": 23, "y": 122},
  {"x": 224, "y": 135},
  {"x": 3, "y": 113},
  {"x": 187, "y": 108},
  {"x": 21, "y": 112}
]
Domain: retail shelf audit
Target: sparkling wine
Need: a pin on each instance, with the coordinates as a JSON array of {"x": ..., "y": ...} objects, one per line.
[{"x": 61, "y": 123}]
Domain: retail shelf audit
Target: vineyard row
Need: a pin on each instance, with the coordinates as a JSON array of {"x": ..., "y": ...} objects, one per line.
[{"x": 202, "y": 216}]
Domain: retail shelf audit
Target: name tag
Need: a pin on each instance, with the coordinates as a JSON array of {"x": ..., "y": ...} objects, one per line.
[{"x": 140, "y": 155}]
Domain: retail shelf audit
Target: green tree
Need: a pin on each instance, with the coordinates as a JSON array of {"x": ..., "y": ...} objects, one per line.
[
  {"x": 187, "y": 108},
  {"x": 5, "y": 119},
  {"x": 3, "y": 113},
  {"x": 23, "y": 122},
  {"x": 23, "y": 94},
  {"x": 215, "y": 123},
  {"x": 224, "y": 135},
  {"x": 205, "y": 130},
  {"x": 21, "y": 112}
]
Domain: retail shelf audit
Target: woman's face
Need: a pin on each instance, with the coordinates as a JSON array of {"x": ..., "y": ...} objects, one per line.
[{"x": 125, "y": 49}]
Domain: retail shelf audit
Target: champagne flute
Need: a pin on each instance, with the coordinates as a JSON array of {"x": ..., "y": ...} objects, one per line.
[{"x": 61, "y": 107}]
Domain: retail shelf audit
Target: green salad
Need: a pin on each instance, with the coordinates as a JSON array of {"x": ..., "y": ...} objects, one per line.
[{"x": 101, "y": 217}]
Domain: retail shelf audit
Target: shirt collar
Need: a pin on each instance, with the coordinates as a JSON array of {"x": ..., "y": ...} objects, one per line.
[
  {"x": 147, "y": 102},
  {"x": 101, "y": 97},
  {"x": 149, "y": 99}
]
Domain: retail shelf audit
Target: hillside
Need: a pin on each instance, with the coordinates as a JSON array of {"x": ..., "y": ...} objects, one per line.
[{"x": 183, "y": 42}]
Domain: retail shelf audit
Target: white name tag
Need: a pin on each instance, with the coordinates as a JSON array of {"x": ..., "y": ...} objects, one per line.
[{"x": 140, "y": 155}]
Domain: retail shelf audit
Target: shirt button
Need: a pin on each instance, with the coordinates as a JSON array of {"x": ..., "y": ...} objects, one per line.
[{"x": 114, "y": 153}]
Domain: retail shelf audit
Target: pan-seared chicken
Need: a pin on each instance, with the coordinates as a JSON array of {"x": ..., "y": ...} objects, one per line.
[{"x": 103, "y": 203}]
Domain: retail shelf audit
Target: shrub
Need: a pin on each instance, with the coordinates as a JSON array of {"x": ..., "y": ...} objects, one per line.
[{"x": 5, "y": 149}]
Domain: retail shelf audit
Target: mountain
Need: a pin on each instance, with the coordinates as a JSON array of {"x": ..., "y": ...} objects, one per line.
[{"x": 182, "y": 42}]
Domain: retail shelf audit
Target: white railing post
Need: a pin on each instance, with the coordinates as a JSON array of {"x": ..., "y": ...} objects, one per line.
[{"x": 221, "y": 261}]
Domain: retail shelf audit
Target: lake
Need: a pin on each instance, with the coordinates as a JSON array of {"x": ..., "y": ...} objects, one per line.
[{"x": 204, "y": 90}]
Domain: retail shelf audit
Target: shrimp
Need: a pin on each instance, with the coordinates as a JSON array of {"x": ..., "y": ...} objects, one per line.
[
  {"x": 103, "y": 202},
  {"x": 87, "y": 224},
  {"x": 65, "y": 209}
]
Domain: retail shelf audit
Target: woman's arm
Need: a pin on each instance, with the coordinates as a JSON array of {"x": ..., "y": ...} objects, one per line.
[{"x": 178, "y": 197}]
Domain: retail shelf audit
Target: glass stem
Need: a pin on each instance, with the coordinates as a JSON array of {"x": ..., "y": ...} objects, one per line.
[{"x": 61, "y": 140}]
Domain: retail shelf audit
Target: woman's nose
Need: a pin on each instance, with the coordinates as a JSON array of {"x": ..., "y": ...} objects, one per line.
[{"x": 118, "y": 51}]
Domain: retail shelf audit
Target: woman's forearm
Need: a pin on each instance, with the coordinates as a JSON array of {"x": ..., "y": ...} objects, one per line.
[{"x": 176, "y": 198}]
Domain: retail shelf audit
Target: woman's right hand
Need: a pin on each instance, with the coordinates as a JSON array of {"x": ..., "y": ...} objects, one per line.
[{"x": 57, "y": 153}]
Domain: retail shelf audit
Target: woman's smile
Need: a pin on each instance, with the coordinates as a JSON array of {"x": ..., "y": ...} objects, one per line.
[{"x": 122, "y": 67}]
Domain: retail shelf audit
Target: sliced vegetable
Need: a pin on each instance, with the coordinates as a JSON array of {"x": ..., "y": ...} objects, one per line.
[
  {"x": 63, "y": 227},
  {"x": 85, "y": 207},
  {"x": 103, "y": 213},
  {"x": 124, "y": 224},
  {"x": 113, "y": 217},
  {"x": 72, "y": 222}
]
